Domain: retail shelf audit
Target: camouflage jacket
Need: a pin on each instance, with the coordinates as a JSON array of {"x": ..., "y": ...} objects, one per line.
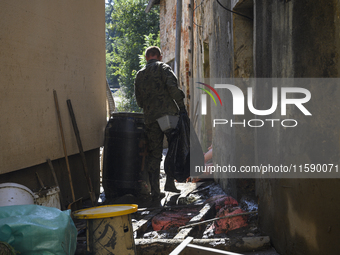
[{"x": 156, "y": 89}]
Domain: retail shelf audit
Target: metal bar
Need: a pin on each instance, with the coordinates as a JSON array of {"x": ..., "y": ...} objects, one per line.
[{"x": 206, "y": 221}]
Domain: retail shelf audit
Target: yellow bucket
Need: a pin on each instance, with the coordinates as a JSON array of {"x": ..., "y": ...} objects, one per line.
[{"x": 109, "y": 229}]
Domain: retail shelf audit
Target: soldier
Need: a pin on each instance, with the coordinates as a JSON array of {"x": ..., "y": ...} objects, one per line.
[{"x": 156, "y": 91}]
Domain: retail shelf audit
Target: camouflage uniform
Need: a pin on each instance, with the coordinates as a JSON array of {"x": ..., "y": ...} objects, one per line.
[{"x": 156, "y": 89}]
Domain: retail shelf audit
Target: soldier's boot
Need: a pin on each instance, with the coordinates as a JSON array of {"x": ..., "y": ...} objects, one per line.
[
  {"x": 170, "y": 185},
  {"x": 155, "y": 190}
]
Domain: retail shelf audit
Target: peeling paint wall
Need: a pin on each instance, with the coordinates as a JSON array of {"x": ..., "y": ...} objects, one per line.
[
  {"x": 168, "y": 41},
  {"x": 168, "y": 29}
]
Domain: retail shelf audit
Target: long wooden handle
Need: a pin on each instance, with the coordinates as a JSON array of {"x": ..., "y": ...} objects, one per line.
[
  {"x": 64, "y": 144},
  {"x": 56, "y": 183},
  {"x": 81, "y": 151}
]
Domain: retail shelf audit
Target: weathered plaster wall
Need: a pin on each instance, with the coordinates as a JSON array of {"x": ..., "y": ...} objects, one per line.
[
  {"x": 213, "y": 32},
  {"x": 299, "y": 39},
  {"x": 290, "y": 39},
  {"x": 168, "y": 41},
  {"x": 47, "y": 45},
  {"x": 167, "y": 23}
]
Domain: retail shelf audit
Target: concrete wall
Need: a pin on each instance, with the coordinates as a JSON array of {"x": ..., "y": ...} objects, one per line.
[
  {"x": 46, "y": 46},
  {"x": 300, "y": 39},
  {"x": 167, "y": 24},
  {"x": 168, "y": 41},
  {"x": 230, "y": 55},
  {"x": 286, "y": 39}
]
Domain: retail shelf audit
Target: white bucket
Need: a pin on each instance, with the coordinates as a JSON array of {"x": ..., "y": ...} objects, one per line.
[{"x": 15, "y": 194}]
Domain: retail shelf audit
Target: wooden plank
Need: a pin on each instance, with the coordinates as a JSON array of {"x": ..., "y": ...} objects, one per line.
[
  {"x": 137, "y": 226},
  {"x": 210, "y": 251},
  {"x": 252, "y": 243},
  {"x": 186, "y": 231},
  {"x": 182, "y": 246},
  {"x": 234, "y": 244}
]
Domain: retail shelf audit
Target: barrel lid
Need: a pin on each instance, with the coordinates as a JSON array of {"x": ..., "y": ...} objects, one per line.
[{"x": 105, "y": 211}]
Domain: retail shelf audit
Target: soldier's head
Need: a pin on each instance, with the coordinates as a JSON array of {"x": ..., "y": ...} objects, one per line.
[{"x": 153, "y": 52}]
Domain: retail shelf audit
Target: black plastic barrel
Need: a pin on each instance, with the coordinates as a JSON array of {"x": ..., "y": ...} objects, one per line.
[{"x": 123, "y": 149}]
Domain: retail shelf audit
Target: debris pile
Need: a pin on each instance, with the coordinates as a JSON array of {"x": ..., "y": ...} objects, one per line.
[
  {"x": 228, "y": 224},
  {"x": 173, "y": 218},
  {"x": 224, "y": 206}
]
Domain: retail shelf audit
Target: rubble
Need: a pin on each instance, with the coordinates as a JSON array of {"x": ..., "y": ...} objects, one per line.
[{"x": 197, "y": 212}]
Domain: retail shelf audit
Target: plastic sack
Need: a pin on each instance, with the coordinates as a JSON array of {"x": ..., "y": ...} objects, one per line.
[
  {"x": 182, "y": 142},
  {"x": 35, "y": 230}
]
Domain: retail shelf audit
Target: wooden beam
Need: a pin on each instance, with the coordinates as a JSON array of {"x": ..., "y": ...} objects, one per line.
[
  {"x": 185, "y": 232},
  {"x": 141, "y": 225},
  {"x": 237, "y": 244},
  {"x": 210, "y": 251},
  {"x": 182, "y": 246}
]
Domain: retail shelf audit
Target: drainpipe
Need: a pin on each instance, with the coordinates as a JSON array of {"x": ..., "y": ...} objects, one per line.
[
  {"x": 191, "y": 60},
  {"x": 178, "y": 37}
]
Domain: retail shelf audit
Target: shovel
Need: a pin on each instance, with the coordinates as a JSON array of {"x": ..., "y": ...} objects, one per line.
[
  {"x": 82, "y": 154},
  {"x": 76, "y": 204}
]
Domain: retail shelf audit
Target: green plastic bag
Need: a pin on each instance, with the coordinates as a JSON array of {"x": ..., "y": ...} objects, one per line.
[{"x": 38, "y": 230}]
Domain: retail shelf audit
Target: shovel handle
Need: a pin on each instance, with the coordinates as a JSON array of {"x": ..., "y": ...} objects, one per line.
[
  {"x": 81, "y": 151},
  {"x": 64, "y": 144}
]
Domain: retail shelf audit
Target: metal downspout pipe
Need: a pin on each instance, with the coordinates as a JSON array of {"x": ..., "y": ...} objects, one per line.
[{"x": 178, "y": 38}]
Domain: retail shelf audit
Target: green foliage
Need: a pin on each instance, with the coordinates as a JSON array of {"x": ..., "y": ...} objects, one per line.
[
  {"x": 127, "y": 30},
  {"x": 150, "y": 40}
]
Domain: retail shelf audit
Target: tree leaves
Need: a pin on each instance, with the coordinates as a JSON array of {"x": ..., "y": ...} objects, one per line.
[{"x": 129, "y": 31}]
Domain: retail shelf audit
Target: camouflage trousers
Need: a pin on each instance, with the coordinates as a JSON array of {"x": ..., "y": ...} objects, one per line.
[{"x": 155, "y": 137}]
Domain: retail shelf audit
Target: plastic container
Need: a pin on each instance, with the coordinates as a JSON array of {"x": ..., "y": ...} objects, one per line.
[
  {"x": 109, "y": 229},
  {"x": 35, "y": 229},
  {"x": 123, "y": 154},
  {"x": 15, "y": 194},
  {"x": 49, "y": 197},
  {"x": 168, "y": 121}
]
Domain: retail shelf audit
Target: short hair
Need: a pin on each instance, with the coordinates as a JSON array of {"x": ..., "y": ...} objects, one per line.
[{"x": 153, "y": 51}]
